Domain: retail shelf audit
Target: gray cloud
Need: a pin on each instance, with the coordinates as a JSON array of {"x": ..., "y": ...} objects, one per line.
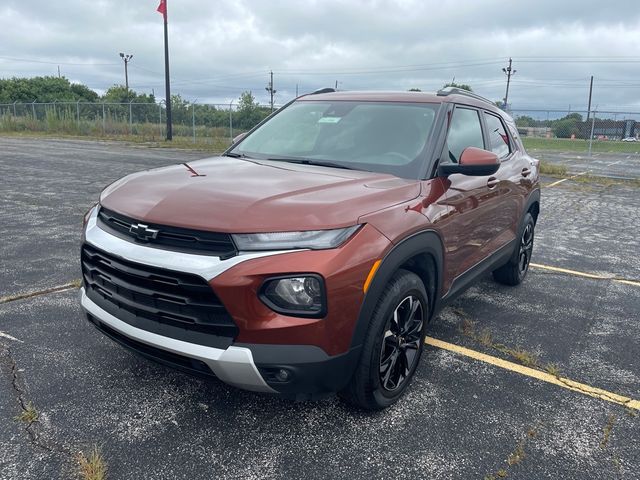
[{"x": 219, "y": 49}]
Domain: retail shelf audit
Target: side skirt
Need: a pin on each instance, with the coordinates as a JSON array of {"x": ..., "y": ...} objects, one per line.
[{"x": 466, "y": 279}]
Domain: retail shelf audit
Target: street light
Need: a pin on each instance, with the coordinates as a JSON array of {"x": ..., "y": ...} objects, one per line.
[{"x": 126, "y": 58}]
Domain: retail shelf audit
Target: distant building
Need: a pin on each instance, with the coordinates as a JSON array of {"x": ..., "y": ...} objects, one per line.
[{"x": 611, "y": 129}]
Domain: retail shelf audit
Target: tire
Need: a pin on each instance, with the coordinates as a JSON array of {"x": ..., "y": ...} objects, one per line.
[
  {"x": 392, "y": 347},
  {"x": 515, "y": 270}
]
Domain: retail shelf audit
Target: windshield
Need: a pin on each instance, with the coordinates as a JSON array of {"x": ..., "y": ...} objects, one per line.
[{"x": 380, "y": 137}]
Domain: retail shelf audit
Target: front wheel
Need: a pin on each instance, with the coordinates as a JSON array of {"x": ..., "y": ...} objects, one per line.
[
  {"x": 393, "y": 345},
  {"x": 514, "y": 271}
]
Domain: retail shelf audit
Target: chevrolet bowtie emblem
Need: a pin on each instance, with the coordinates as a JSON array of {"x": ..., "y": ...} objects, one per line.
[{"x": 143, "y": 232}]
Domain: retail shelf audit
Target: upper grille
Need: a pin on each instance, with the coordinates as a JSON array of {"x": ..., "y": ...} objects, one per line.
[
  {"x": 168, "y": 237},
  {"x": 174, "y": 304}
]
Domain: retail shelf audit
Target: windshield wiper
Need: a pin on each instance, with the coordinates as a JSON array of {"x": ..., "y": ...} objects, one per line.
[
  {"x": 305, "y": 161},
  {"x": 235, "y": 155}
]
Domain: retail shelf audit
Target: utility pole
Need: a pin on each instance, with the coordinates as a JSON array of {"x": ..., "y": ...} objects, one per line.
[
  {"x": 269, "y": 88},
  {"x": 162, "y": 8},
  {"x": 58, "y": 71},
  {"x": 296, "y": 90},
  {"x": 126, "y": 59},
  {"x": 509, "y": 72},
  {"x": 590, "y": 92}
]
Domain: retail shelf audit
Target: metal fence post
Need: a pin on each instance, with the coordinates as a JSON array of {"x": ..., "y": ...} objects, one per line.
[
  {"x": 104, "y": 121},
  {"x": 130, "y": 118},
  {"x": 14, "y": 109},
  {"x": 78, "y": 112},
  {"x": 55, "y": 113},
  {"x": 33, "y": 109},
  {"x": 593, "y": 124},
  {"x": 160, "y": 117},
  {"x": 193, "y": 119},
  {"x": 231, "y": 121}
]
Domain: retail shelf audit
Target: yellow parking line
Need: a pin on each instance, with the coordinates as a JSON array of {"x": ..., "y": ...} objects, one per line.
[
  {"x": 537, "y": 374},
  {"x": 586, "y": 275},
  {"x": 566, "y": 270},
  {"x": 556, "y": 183}
]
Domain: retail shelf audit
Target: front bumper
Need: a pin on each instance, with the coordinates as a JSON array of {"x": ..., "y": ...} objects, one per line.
[
  {"x": 233, "y": 365},
  {"x": 312, "y": 373}
]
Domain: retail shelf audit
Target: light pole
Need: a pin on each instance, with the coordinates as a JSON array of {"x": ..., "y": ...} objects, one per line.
[{"x": 126, "y": 58}]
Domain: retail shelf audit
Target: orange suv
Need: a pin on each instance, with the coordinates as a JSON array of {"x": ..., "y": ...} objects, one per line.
[{"x": 310, "y": 257}]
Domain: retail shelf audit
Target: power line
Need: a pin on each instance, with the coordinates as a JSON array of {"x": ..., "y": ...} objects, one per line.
[{"x": 84, "y": 64}]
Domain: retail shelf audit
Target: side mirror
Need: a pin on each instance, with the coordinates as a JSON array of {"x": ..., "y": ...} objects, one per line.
[
  {"x": 474, "y": 162},
  {"x": 237, "y": 138}
]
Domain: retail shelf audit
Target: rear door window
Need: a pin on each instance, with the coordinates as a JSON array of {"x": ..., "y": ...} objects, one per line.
[{"x": 498, "y": 138}]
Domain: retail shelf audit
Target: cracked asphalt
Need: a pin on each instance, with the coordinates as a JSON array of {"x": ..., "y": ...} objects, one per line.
[{"x": 461, "y": 418}]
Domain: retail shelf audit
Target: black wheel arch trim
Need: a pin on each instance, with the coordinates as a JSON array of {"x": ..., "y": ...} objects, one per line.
[
  {"x": 426, "y": 241},
  {"x": 534, "y": 197}
]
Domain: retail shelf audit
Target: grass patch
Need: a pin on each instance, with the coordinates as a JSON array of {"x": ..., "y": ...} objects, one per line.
[
  {"x": 552, "y": 369},
  {"x": 206, "y": 144},
  {"x": 28, "y": 415},
  {"x": 580, "y": 146},
  {"x": 547, "y": 168},
  {"x": 611, "y": 421},
  {"x": 92, "y": 466},
  {"x": 20, "y": 296}
]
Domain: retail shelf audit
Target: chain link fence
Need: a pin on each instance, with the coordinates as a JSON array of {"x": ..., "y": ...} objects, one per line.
[
  {"x": 593, "y": 127},
  {"x": 214, "y": 124},
  {"x": 557, "y": 136},
  {"x": 603, "y": 143}
]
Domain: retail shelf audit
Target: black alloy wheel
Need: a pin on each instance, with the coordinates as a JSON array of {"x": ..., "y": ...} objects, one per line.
[
  {"x": 401, "y": 342},
  {"x": 515, "y": 270}
]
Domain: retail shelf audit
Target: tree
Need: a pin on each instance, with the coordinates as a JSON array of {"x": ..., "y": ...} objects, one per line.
[
  {"x": 462, "y": 86},
  {"x": 249, "y": 113},
  {"x": 567, "y": 126},
  {"x": 120, "y": 94},
  {"x": 44, "y": 89}
]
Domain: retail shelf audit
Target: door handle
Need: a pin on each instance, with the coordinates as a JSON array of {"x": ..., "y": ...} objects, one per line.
[
  {"x": 526, "y": 172},
  {"x": 492, "y": 182}
]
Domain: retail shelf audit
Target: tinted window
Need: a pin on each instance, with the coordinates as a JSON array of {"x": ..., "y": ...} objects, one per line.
[
  {"x": 385, "y": 137},
  {"x": 498, "y": 138},
  {"x": 465, "y": 131}
]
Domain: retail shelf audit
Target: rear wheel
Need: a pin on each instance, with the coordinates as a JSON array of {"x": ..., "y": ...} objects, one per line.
[
  {"x": 514, "y": 271},
  {"x": 393, "y": 345}
]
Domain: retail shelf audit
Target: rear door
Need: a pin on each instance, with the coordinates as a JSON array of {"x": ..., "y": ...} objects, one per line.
[
  {"x": 473, "y": 203},
  {"x": 507, "y": 189}
]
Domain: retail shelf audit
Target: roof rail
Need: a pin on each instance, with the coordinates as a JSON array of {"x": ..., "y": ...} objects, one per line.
[
  {"x": 460, "y": 91},
  {"x": 323, "y": 90}
]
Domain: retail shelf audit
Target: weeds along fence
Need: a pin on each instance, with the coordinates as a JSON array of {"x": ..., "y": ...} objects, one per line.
[{"x": 202, "y": 123}]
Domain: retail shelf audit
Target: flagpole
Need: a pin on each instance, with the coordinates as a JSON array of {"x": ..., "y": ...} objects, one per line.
[{"x": 166, "y": 75}]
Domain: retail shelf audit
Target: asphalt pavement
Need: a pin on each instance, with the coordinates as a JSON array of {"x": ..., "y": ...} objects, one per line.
[{"x": 461, "y": 419}]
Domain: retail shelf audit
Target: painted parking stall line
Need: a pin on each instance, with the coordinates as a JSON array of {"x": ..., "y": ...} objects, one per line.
[
  {"x": 537, "y": 374},
  {"x": 595, "y": 276}
]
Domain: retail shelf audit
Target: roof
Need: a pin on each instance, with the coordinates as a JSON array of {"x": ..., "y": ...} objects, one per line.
[{"x": 401, "y": 96}]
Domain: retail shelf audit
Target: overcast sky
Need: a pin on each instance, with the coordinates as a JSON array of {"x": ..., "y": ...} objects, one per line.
[{"x": 218, "y": 48}]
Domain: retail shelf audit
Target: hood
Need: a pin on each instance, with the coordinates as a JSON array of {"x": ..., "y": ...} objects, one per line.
[{"x": 235, "y": 195}]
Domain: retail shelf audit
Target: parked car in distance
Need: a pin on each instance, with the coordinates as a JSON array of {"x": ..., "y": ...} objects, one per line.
[
  {"x": 630, "y": 139},
  {"x": 310, "y": 257}
]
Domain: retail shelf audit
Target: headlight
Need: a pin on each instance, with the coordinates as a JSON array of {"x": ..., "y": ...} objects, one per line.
[
  {"x": 298, "y": 296},
  {"x": 312, "y": 239}
]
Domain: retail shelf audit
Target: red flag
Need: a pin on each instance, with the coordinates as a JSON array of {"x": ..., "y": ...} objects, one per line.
[{"x": 162, "y": 8}]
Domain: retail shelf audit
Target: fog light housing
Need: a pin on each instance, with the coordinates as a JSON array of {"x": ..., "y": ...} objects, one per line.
[{"x": 297, "y": 296}]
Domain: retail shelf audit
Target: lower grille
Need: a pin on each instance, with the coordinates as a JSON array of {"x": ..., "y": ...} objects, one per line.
[
  {"x": 190, "y": 365},
  {"x": 174, "y": 304}
]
